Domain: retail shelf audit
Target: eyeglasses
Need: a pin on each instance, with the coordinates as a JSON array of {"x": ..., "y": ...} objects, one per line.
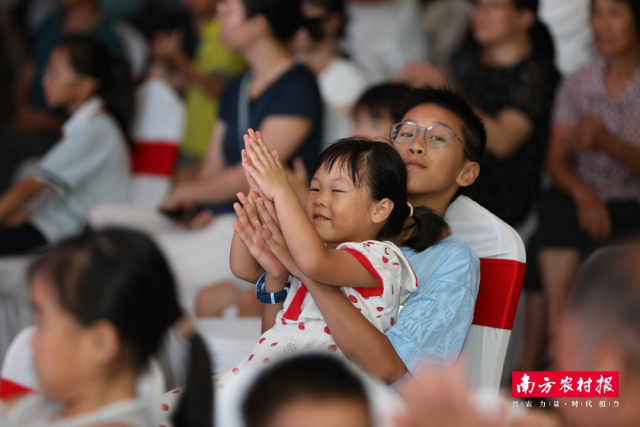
[{"x": 436, "y": 136}]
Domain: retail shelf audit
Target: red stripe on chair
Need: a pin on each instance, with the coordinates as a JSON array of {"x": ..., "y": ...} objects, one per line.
[
  {"x": 295, "y": 308},
  {"x": 11, "y": 390},
  {"x": 154, "y": 157},
  {"x": 500, "y": 285},
  {"x": 367, "y": 292}
]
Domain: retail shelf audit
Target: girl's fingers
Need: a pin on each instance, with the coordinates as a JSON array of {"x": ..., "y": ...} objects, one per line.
[
  {"x": 257, "y": 162},
  {"x": 241, "y": 233},
  {"x": 265, "y": 151},
  {"x": 269, "y": 221},
  {"x": 270, "y": 207}
]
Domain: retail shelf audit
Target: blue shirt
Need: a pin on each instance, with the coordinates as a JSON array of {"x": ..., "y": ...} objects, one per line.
[
  {"x": 294, "y": 93},
  {"x": 435, "y": 320}
]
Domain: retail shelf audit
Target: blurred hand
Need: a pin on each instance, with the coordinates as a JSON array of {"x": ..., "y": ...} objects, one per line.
[
  {"x": 179, "y": 198},
  {"x": 167, "y": 45},
  {"x": 422, "y": 73},
  {"x": 593, "y": 216},
  {"x": 593, "y": 135},
  {"x": 442, "y": 398}
]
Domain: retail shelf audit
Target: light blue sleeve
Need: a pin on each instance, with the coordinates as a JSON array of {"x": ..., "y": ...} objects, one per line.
[
  {"x": 77, "y": 156},
  {"x": 435, "y": 320}
]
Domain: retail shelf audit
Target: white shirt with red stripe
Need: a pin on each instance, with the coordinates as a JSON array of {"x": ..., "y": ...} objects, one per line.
[{"x": 300, "y": 324}]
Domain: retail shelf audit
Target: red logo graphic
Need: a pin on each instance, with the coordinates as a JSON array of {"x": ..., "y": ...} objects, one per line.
[{"x": 564, "y": 384}]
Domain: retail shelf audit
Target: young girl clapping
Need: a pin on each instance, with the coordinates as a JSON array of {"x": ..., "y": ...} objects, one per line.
[{"x": 356, "y": 204}]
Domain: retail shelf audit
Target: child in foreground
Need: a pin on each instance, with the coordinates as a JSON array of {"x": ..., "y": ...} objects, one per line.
[
  {"x": 356, "y": 205},
  {"x": 104, "y": 302}
]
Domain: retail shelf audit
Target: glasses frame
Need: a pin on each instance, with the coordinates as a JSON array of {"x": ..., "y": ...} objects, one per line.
[{"x": 425, "y": 131}]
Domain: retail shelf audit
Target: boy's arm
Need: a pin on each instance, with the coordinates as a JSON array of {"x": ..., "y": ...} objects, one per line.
[
  {"x": 14, "y": 199},
  {"x": 358, "y": 339}
]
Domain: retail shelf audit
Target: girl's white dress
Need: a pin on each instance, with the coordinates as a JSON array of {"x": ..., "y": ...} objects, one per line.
[{"x": 300, "y": 325}]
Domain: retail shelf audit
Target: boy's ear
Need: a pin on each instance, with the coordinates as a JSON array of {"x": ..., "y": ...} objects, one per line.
[
  {"x": 469, "y": 174},
  {"x": 381, "y": 211}
]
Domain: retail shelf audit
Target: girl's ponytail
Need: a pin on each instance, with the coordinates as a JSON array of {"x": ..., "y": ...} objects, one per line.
[
  {"x": 196, "y": 404},
  {"x": 426, "y": 230}
]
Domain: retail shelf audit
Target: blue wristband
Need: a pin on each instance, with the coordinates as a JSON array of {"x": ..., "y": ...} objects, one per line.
[{"x": 271, "y": 297}]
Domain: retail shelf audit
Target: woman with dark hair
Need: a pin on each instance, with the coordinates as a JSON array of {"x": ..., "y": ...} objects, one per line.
[
  {"x": 507, "y": 72},
  {"x": 90, "y": 165},
  {"x": 593, "y": 160}
]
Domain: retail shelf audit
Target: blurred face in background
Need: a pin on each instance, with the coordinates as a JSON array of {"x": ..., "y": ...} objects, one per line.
[
  {"x": 319, "y": 26},
  {"x": 238, "y": 31},
  {"x": 577, "y": 348},
  {"x": 497, "y": 21},
  {"x": 613, "y": 27},
  {"x": 376, "y": 126}
]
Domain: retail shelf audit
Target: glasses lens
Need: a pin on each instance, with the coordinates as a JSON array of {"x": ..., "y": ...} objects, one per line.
[
  {"x": 403, "y": 133},
  {"x": 438, "y": 136}
]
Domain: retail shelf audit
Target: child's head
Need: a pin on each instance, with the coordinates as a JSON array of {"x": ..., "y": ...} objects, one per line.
[
  {"x": 324, "y": 21},
  {"x": 377, "y": 109},
  {"x": 359, "y": 192},
  {"x": 103, "y": 302},
  {"x": 81, "y": 67},
  {"x": 457, "y": 138},
  {"x": 600, "y": 329},
  {"x": 309, "y": 390}
]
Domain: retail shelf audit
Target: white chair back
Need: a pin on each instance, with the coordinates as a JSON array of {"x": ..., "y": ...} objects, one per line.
[
  {"x": 502, "y": 265},
  {"x": 18, "y": 376},
  {"x": 157, "y": 134}
]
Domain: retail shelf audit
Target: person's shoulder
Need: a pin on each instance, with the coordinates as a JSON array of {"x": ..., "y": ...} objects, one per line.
[
  {"x": 586, "y": 73},
  {"x": 448, "y": 258},
  {"x": 299, "y": 75}
]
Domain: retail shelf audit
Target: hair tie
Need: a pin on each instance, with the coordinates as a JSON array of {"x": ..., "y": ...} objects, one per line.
[{"x": 410, "y": 207}]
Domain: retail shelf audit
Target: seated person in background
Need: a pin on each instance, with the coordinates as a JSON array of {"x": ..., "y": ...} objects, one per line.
[
  {"x": 596, "y": 333},
  {"x": 384, "y": 35},
  {"x": 307, "y": 389},
  {"x": 593, "y": 160},
  {"x": 508, "y": 75},
  {"x": 89, "y": 166},
  {"x": 36, "y": 126},
  {"x": 33, "y": 114},
  {"x": 341, "y": 81},
  {"x": 104, "y": 301},
  {"x": 205, "y": 76},
  {"x": 379, "y": 108}
]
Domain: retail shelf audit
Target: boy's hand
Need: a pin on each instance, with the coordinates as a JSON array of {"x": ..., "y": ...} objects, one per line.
[
  {"x": 265, "y": 168},
  {"x": 254, "y": 243}
]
